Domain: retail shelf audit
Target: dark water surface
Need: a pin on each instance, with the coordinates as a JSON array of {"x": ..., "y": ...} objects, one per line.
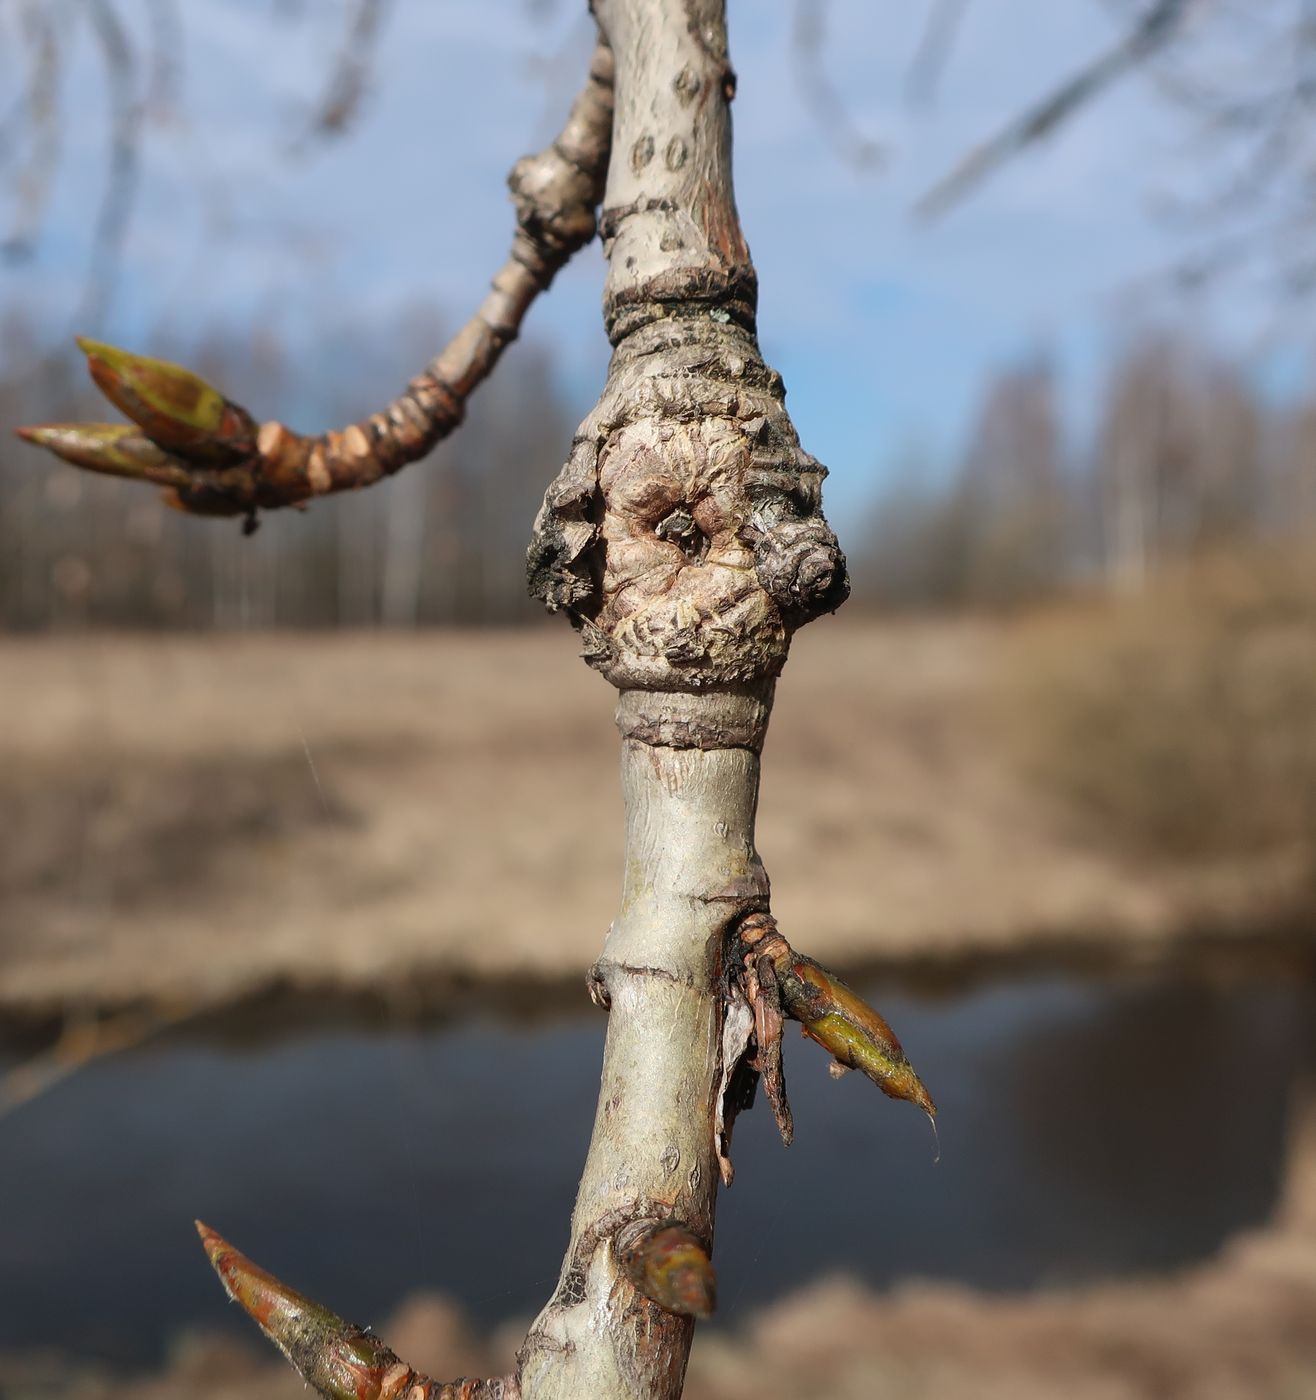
[{"x": 1088, "y": 1129}]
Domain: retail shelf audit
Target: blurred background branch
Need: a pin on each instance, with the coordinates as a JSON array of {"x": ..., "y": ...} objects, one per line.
[{"x": 1144, "y": 37}]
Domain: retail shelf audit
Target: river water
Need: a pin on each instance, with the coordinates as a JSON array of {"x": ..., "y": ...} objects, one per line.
[{"x": 1090, "y": 1128}]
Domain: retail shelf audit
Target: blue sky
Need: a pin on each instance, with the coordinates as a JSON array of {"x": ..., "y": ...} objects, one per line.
[{"x": 883, "y": 328}]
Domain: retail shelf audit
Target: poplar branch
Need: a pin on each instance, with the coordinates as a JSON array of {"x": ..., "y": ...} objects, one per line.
[
  {"x": 685, "y": 538},
  {"x": 223, "y": 469},
  {"x": 339, "y": 1360}
]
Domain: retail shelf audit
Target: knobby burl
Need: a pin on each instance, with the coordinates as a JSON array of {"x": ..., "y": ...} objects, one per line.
[{"x": 685, "y": 534}]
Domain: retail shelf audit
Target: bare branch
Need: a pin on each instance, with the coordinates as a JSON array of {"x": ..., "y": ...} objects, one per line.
[
  {"x": 166, "y": 55},
  {"x": 338, "y": 1359},
  {"x": 82, "y": 1042},
  {"x": 1040, "y": 120},
  {"x": 234, "y": 468},
  {"x": 125, "y": 115},
  {"x": 934, "y": 50},
  {"x": 39, "y": 107},
  {"x": 824, "y": 102},
  {"x": 346, "y": 88}
]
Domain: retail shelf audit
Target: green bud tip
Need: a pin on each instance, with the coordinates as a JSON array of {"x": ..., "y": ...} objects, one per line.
[
  {"x": 173, "y": 406},
  {"x": 669, "y": 1265},
  {"x": 336, "y": 1358},
  {"x": 113, "y": 449}
]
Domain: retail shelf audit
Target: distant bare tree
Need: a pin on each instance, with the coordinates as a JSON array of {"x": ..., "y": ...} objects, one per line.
[
  {"x": 996, "y": 533},
  {"x": 1181, "y": 461},
  {"x": 1012, "y": 491}
]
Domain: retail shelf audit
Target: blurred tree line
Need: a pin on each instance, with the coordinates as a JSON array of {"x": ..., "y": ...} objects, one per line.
[{"x": 1186, "y": 455}]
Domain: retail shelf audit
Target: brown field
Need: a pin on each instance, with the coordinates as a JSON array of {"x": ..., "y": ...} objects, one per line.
[{"x": 197, "y": 820}]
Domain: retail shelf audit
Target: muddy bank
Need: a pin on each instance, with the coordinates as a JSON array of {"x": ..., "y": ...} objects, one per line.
[{"x": 201, "y": 822}]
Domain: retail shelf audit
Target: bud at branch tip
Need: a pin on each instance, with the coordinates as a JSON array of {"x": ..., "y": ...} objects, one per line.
[{"x": 336, "y": 1358}]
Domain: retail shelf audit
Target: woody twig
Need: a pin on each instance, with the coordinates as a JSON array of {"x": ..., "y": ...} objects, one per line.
[
  {"x": 335, "y": 1358},
  {"x": 211, "y": 455}
]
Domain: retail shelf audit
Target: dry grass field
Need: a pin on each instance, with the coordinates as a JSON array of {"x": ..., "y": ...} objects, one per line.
[{"x": 198, "y": 820}]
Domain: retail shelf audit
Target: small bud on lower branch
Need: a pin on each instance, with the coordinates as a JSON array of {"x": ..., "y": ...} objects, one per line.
[
  {"x": 669, "y": 1265},
  {"x": 337, "y": 1359}
]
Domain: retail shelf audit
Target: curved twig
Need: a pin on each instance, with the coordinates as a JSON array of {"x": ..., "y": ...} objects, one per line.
[
  {"x": 346, "y": 88},
  {"x": 934, "y": 49},
  {"x": 39, "y": 105},
  {"x": 829, "y": 109},
  {"x": 125, "y": 118},
  {"x": 213, "y": 457},
  {"x": 83, "y": 1042}
]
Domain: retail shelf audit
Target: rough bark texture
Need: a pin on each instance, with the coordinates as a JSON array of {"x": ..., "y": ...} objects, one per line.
[{"x": 684, "y": 539}]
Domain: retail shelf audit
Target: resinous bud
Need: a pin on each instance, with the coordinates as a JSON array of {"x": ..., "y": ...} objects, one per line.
[
  {"x": 113, "y": 449},
  {"x": 339, "y": 1360},
  {"x": 173, "y": 406},
  {"x": 851, "y": 1031},
  {"x": 668, "y": 1263}
]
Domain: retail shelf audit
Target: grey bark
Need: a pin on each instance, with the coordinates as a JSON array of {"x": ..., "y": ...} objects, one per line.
[{"x": 684, "y": 539}]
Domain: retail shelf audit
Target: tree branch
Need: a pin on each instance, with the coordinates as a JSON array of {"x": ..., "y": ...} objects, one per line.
[
  {"x": 337, "y": 1359},
  {"x": 934, "y": 49},
  {"x": 125, "y": 119},
  {"x": 684, "y": 538},
  {"x": 267, "y": 466},
  {"x": 1149, "y": 34},
  {"x": 829, "y": 110},
  {"x": 347, "y": 84},
  {"x": 39, "y": 105}
]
